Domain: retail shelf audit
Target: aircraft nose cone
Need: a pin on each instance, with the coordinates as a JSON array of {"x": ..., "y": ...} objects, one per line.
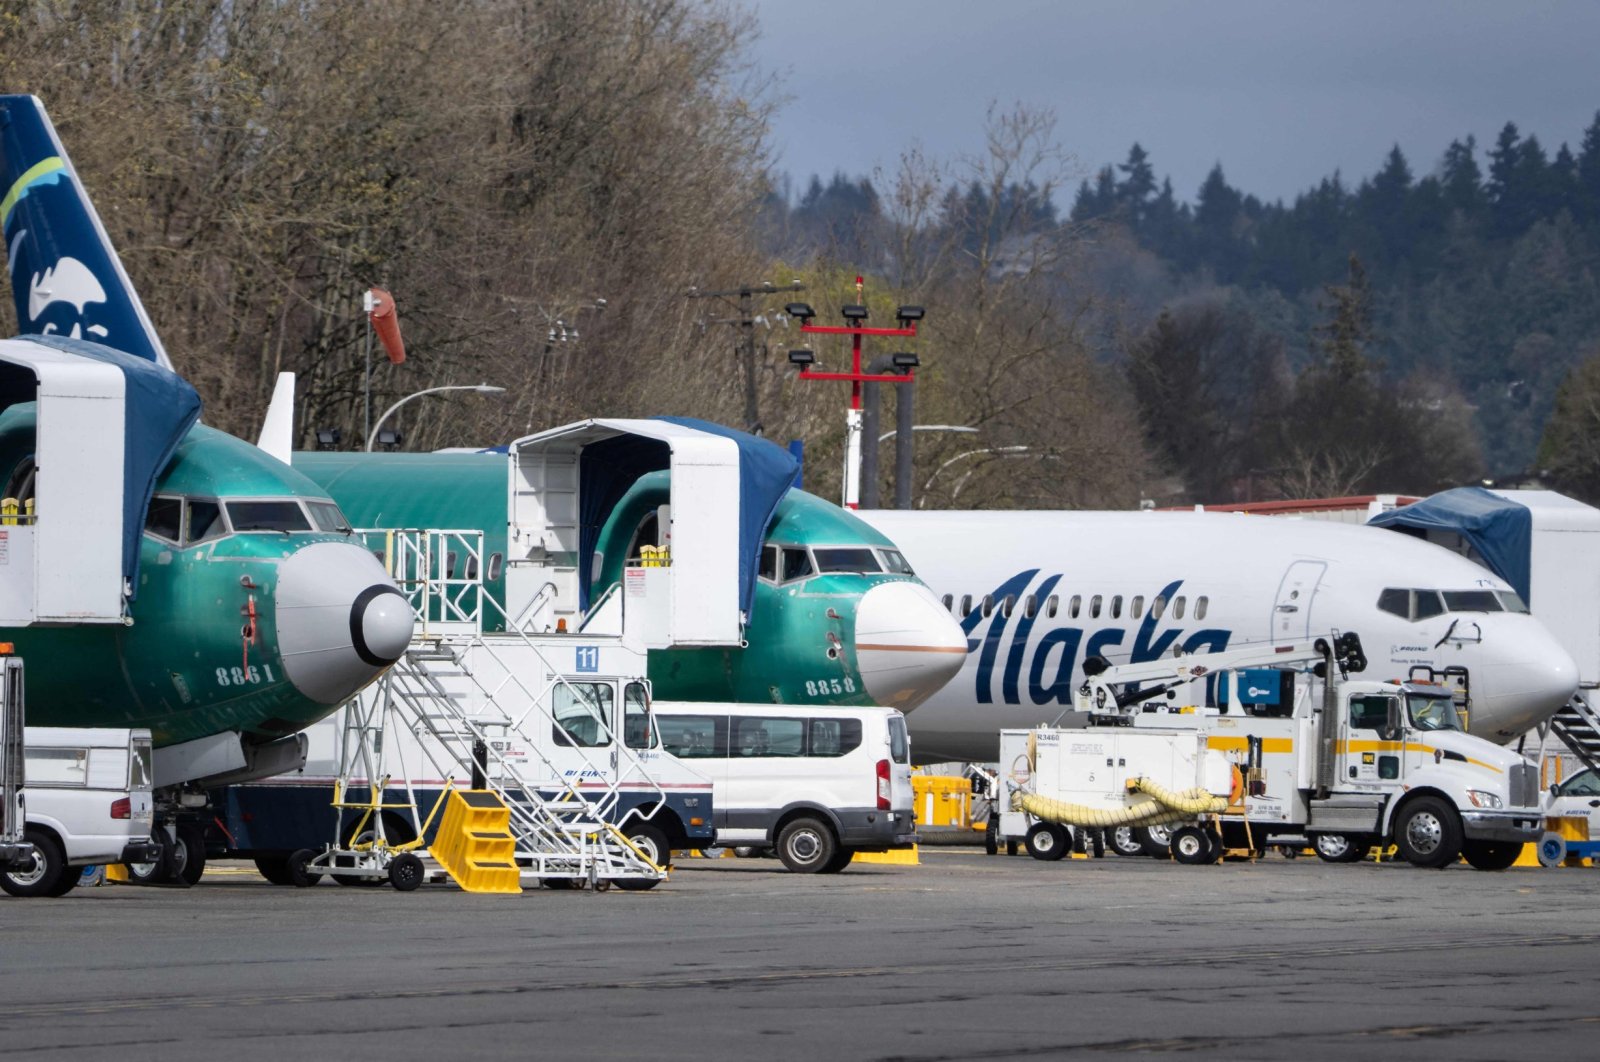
[
  {"x": 907, "y": 645},
  {"x": 1526, "y": 686},
  {"x": 341, "y": 620},
  {"x": 380, "y": 625}
]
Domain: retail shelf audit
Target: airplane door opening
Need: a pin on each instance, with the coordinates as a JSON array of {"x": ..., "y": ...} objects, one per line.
[{"x": 1291, "y": 614}]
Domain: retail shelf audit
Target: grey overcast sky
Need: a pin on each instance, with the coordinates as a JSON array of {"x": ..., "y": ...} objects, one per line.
[{"x": 1282, "y": 94}]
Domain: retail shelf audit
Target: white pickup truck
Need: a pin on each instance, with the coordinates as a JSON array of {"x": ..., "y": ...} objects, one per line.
[{"x": 87, "y": 801}]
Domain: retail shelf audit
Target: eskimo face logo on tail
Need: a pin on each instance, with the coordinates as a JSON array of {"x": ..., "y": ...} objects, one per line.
[
  {"x": 58, "y": 300},
  {"x": 1050, "y": 662}
]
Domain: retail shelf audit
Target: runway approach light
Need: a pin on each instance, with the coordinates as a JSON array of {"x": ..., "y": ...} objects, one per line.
[
  {"x": 801, "y": 357},
  {"x": 907, "y": 314},
  {"x": 905, "y": 361},
  {"x": 801, "y": 310},
  {"x": 854, "y": 312}
]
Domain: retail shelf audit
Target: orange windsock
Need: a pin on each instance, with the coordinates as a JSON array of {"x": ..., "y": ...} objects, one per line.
[{"x": 387, "y": 324}]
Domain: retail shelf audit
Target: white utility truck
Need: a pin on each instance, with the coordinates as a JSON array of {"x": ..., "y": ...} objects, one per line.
[{"x": 1307, "y": 751}]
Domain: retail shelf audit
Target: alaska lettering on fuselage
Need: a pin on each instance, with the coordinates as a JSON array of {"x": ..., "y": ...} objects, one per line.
[{"x": 1000, "y": 631}]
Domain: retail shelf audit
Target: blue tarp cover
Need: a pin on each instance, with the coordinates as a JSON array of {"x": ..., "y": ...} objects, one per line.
[
  {"x": 607, "y": 469},
  {"x": 1500, "y": 530},
  {"x": 160, "y": 409}
]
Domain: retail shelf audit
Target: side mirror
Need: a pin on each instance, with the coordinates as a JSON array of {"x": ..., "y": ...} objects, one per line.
[
  {"x": 1394, "y": 726},
  {"x": 1555, "y": 788}
]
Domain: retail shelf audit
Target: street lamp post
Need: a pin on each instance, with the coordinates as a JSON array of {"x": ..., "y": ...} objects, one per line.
[{"x": 482, "y": 389}]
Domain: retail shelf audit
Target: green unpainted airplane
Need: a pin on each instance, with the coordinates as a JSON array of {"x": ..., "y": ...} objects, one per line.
[
  {"x": 837, "y": 616},
  {"x": 247, "y": 612}
]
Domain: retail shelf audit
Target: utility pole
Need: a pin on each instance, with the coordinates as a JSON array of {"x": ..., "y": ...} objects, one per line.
[{"x": 746, "y": 323}]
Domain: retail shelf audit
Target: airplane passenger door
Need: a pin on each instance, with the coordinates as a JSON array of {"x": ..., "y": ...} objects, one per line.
[{"x": 1291, "y": 613}]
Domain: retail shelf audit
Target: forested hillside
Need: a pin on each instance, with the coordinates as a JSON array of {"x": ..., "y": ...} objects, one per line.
[
  {"x": 1478, "y": 296},
  {"x": 543, "y": 183}
]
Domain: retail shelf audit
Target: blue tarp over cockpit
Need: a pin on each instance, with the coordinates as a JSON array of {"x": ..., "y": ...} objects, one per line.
[
  {"x": 1500, "y": 531},
  {"x": 160, "y": 409},
  {"x": 610, "y": 467}
]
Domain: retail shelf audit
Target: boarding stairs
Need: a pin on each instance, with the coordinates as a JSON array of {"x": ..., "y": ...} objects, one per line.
[
  {"x": 480, "y": 705},
  {"x": 1577, "y": 724}
]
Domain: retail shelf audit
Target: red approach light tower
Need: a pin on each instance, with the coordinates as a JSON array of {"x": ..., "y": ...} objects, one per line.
[{"x": 904, "y": 364}]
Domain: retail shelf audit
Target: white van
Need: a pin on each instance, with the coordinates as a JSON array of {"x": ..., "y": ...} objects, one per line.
[
  {"x": 817, "y": 784},
  {"x": 87, "y": 801}
]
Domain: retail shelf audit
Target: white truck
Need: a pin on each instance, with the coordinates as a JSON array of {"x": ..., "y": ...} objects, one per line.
[
  {"x": 1350, "y": 763},
  {"x": 87, "y": 802}
]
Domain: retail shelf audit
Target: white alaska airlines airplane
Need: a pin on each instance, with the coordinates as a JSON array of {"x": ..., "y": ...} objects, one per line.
[{"x": 1038, "y": 592}]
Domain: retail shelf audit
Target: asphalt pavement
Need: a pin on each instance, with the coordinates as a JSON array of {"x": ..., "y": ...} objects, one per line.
[{"x": 963, "y": 957}]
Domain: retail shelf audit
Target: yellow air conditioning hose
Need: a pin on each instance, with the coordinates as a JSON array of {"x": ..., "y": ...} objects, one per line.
[{"x": 1165, "y": 806}]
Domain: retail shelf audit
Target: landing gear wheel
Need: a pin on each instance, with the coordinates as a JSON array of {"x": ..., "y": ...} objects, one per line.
[
  {"x": 1428, "y": 833},
  {"x": 806, "y": 845},
  {"x": 840, "y": 861},
  {"x": 1191, "y": 845},
  {"x": 42, "y": 874},
  {"x": 1125, "y": 841},
  {"x": 275, "y": 868},
  {"x": 406, "y": 872},
  {"x": 192, "y": 863},
  {"x": 991, "y": 836},
  {"x": 1048, "y": 842},
  {"x": 1156, "y": 841},
  {"x": 1339, "y": 848},
  {"x": 1491, "y": 855},
  {"x": 653, "y": 843},
  {"x": 300, "y": 874}
]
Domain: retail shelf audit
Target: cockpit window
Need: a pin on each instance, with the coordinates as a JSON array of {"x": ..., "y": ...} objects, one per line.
[
  {"x": 894, "y": 561},
  {"x": 850, "y": 559},
  {"x": 796, "y": 564},
  {"x": 1428, "y": 605},
  {"x": 205, "y": 522},
  {"x": 285, "y": 515},
  {"x": 769, "y": 563},
  {"x": 328, "y": 517},
  {"x": 1512, "y": 601},
  {"x": 1471, "y": 601},
  {"x": 1396, "y": 603},
  {"x": 165, "y": 519},
  {"x": 1432, "y": 713}
]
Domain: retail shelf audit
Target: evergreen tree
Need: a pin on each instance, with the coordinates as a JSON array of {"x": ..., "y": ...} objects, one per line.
[
  {"x": 1216, "y": 214},
  {"x": 1138, "y": 184},
  {"x": 1461, "y": 178},
  {"x": 1588, "y": 172},
  {"x": 1343, "y": 339}
]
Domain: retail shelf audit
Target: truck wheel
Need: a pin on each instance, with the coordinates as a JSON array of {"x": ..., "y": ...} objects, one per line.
[
  {"x": 1428, "y": 833},
  {"x": 43, "y": 873},
  {"x": 1125, "y": 842},
  {"x": 806, "y": 845},
  {"x": 653, "y": 843},
  {"x": 1191, "y": 845},
  {"x": 1491, "y": 855},
  {"x": 1339, "y": 848},
  {"x": 1097, "y": 843},
  {"x": 1048, "y": 842},
  {"x": 991, "y": 837},
  {"x": 1156, "y": 841}
]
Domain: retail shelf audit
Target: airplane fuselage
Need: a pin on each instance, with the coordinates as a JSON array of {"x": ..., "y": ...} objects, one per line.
[{"x": 1038, "y": 592}]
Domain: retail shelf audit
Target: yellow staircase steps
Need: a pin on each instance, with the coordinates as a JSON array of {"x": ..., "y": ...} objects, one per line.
[{"x": 474, "y": 843}]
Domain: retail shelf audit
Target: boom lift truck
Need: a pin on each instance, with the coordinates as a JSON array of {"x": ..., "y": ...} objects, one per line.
[{"x": 1311, "y": 751}]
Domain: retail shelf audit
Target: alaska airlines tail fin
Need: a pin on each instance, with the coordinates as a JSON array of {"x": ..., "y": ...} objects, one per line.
[{"x": 65, "y": 275}]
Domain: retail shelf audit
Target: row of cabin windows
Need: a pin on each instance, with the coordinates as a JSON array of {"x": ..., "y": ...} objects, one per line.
[
  {"x": 1098, "y": 605},
  {"x": 1425, "y": 604},
  {"x": 766, "y": 737}
]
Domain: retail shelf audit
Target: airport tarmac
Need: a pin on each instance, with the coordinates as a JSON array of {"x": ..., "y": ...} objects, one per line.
[{"x": 963, "y": 957}]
